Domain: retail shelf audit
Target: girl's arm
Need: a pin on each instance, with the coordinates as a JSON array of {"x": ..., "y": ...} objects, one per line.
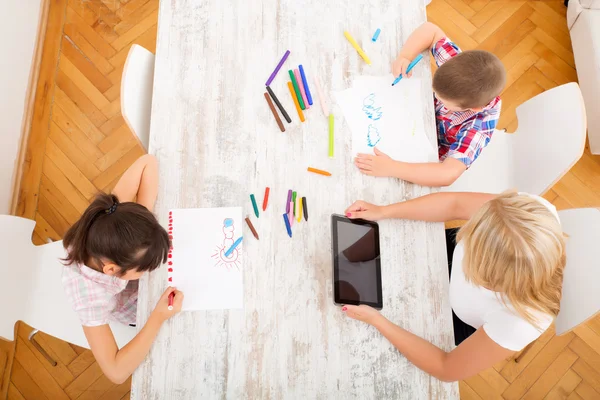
[
  {"x": 475, "y": 354},
  {"x": 436, "y": 207},
  {"x": 118, "y": 364},
  {"x": 141, "y": 181}
]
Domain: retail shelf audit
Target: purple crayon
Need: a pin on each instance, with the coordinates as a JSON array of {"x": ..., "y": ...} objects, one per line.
[{"x": 277, "y": 68}]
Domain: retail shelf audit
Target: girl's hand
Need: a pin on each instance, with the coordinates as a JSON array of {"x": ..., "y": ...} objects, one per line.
[
  {"x": 162, "y": 307},
  {"x": 362, "y": 313},
  {"x": 399, "y": 67},
  {"x": 362, "y": 209}
]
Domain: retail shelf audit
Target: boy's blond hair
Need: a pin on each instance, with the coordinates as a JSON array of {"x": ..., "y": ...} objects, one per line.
[
  {"x": 514, "y": 246},
  {"x": 471, "y": 79}
]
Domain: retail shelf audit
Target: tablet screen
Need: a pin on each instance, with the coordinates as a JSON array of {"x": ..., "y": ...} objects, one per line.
[{"x": 357, "y": 265}]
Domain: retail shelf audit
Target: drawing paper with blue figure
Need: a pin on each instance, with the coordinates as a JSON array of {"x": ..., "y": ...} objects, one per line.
[{"x": 387, "y": 117}]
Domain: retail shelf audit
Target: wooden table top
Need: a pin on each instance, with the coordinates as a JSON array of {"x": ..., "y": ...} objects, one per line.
[{"x": 217, "y": 141}]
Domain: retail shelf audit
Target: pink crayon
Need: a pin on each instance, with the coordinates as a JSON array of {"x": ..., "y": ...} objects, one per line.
[
  {"x": 291, "y": 213},
  {"x": 301, "y": 86}
]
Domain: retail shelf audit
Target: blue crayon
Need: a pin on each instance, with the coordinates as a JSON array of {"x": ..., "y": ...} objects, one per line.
[
  {"x": 376, "y": 35},
  {"x": 305, "y": 83},
  {"x": 287, "y": 224},
  {"x": 235, "y": 244}
]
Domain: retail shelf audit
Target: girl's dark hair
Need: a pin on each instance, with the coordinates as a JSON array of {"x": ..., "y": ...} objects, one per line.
[{"x": 126, "y": 234}]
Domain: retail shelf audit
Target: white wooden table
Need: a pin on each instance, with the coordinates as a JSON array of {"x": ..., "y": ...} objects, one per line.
[{"x": 217, "y": 142}]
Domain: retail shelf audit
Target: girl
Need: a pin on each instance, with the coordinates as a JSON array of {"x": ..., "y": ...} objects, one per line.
[
  {"x": 505, "y": 284},
  {"x": 113, "y": 244}
]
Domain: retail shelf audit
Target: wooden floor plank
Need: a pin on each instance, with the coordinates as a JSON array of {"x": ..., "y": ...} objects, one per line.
[
  {"x": 81, "y": 43},
  {"x": 549, "y": 56},
  {"x": 136, "y": 18},
  {"x": 118, "y": 391},
  {"x": 513, "y": 369},
  {"x": 82, "y": 362},
  {"x": 495, "y": 23},
  {"x": 82, "y": 161},
  {"x": 44, "y": 229},
  {"x": 466, "y": 393},
  {"x": 76, "y": 24},
  {"x": 554, "y": 373},
  {"x": 70, "y": 170},
  {"x": 25, "y": 384},
  {"x": 84, "y": 65},
  {"x": 588, "y": 336},
  {"x": 586, "y": 392},
  {"x": 508, "y": 34},
  {"x": 564, "y": 387},
  {"x": 77, "y": 116},
  {"x": 58, "y": 200},
  {"x": 58, "y": 223},
  {"x": 97, "y": 389},
  {"x": 59, "y": 180},
  {"x": 85, "y": 144},
  {"x": 588, "y": 374},
  {"x": 84, "y": 84},
  {"x": 543, "y": 37},
  {"x": 14, "y": 394},
  {"x": 80, "y": 99},
  {"x": 83, "y": 381},
  {"x": 32, "y": 167},
  {"x": 486, "y": 13}
]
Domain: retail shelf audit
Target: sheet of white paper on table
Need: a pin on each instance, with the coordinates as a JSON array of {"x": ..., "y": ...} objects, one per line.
[
  {"x": 386, "y": 117},
  {"x": 208, "y": 279}
]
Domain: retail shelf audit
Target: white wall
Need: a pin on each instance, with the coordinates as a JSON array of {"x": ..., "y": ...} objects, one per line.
[{"x": 18, "y": 32}]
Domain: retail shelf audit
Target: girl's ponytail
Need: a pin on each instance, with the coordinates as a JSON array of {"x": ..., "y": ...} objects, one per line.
[{"x": 75, "y": 240}]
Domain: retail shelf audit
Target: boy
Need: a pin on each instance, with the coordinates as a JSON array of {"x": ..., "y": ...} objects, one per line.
[{"x": 467, "y": 108}]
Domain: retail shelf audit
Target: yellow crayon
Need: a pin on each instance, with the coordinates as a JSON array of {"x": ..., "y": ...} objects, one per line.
[
  {"x": 357, "y": 47},
  {"x": 299, "y": 208}
]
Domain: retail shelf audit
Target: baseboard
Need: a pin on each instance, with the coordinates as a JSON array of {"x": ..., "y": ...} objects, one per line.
[{"x": 34, "y": 75}]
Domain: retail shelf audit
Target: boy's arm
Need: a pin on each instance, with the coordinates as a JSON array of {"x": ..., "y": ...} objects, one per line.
[
  {"x": 424, "y": 174},
  {"x": 424, "y": 37}
]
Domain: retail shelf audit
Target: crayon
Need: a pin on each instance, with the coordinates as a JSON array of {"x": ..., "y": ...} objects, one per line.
[
  {"x": 278, "y": 103},
  {"x": 235, "y": 244},
  {"x": 318, "y": 171},
  {"x": 294, "y": 201},
  {"x": 296, "y": 102},
  {"x": 321, "y": 97},
  {"x": 357, "y": 47},
  {"x": 281, "y": 127},
  {"x": 299, "y": 213},
  {"x": 277, "y": 68},
  {"x": 171, "y": 297},
  {"x": 305, "y": 207},
  {"x": 287, "y": 203},
  {"x": 301, "y": 86},
  {"x": 305, "y": 83},
  {"x": 287, "y": 225},
  {"x": 410, "y": 67},
  {"x": 254, "y": 205},
  {"x": 376, "y": 35},
  {"x": 331, "y": 119},
  {"x": 251, "y": 227},
  {"x": 297, "y": 89},
  {"x": 266, "y": 198}
]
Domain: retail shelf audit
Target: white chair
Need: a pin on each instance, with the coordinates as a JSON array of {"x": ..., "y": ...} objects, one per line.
[
  {"x": 580, "y": 297},
  {"x": 31, "y": 289},
  {"x": 136, "y": 92},
  {"x": 580, "y": 300},
  {"x": 549, "y": 140}
]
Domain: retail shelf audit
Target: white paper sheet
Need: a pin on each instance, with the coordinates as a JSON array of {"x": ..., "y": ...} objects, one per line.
[
  {"x": 208, "y": 279},
  {"x": 387, "y": 117}
]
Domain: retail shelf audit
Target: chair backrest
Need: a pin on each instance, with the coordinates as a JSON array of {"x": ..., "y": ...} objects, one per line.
[
  {"x": 580, "y": 295},
  {"x": 31, "y": 287},
  {"x": 136, "y": 92},
  {"x": 549, "y": 140}
]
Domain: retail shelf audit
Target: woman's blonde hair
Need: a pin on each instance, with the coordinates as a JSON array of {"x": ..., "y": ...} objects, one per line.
[{"x": 514, "y": 246}]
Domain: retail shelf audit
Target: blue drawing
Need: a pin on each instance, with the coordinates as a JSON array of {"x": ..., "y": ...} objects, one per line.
[
  {"x": 371, "y": 109},
  {"x": 228, "y": 222},
  {"x": 373, "y": 136}
]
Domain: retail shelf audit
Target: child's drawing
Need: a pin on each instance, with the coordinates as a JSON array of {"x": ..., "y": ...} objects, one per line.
[
  {"x": 232, "y": 260},
  {"x": 373, "y": 136},
  {"x": 371, "y": 109}
]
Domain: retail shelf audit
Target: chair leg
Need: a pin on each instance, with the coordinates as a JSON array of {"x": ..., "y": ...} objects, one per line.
[
  {"x": 523, "y": 352},
  {"x": 40, "y": 349}
]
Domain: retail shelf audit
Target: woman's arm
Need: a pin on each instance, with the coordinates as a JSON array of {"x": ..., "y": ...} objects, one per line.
[
  {"x": 118, "y": 364},
  {"x": 472, "y": 356},
  {"x": 141, "y": 181},
  {"x": 435, "y": 207}
]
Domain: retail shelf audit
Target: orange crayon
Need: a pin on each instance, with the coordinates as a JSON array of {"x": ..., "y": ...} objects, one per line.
[
  {"x": 300, "y": 114},
  {"x": 318, "y": 171}
]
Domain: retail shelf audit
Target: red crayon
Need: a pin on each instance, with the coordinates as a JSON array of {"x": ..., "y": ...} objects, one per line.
[
  {"x": 171, "y": 297},
  {"x": 266, "y": 200}
]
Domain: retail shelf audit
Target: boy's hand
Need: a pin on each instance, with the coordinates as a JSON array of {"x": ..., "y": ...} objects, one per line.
[
  {"x": 364, "y": 210},
  {"x": 399, "y": 67},
  {"x": 379, "y": 164},
  {"x": 162, "y": 307}
]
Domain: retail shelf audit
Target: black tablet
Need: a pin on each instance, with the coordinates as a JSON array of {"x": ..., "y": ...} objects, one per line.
[{"x": 356, "y": 262}]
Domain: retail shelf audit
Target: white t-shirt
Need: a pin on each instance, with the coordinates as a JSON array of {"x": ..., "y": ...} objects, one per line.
[{"x": 480, "y": 307}]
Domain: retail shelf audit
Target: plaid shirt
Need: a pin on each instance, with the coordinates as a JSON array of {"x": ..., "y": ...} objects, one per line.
[
  {"x": 462, "y": 134},
  {"x": 98, "y": 298}
]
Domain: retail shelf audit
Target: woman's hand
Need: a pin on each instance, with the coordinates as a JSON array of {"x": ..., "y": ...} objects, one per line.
[
  {"x": 362, "y": 209},
  {"x": 399, "y": 67},
  {"x": 162, "y": 307},
  {"x": 363, "y": 313}
]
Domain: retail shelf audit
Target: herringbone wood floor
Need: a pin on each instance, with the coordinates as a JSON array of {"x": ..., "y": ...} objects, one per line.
[{"x": 80, "y": 144}]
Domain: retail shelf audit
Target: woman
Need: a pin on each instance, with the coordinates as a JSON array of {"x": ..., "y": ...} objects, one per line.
[{"x": 506, "y": 281}]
